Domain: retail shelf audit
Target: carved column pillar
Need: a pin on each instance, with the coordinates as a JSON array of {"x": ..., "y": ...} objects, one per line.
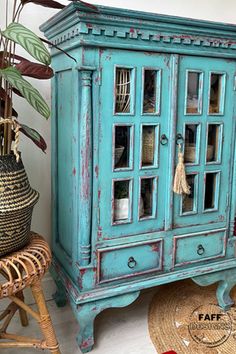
[{"x": 86, "y": 168}]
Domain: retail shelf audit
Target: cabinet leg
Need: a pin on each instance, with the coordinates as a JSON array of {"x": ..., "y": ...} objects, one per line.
[
  {"x": 226, "y": 279},
  {"x": 60, "y": 295},
  {"x": 223, "y": 294},
  {"x": 86, "y": 313}
]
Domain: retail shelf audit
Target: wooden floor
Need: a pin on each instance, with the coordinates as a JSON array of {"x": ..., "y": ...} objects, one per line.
[{"x": 117, "y": 331}]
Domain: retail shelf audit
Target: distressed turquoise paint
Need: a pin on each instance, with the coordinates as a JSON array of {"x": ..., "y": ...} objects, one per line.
[
  {"x": 193, "y": 248},
  {"x": 65, "y": 191},
  {"x": 226, "y": 281},
  {"x": 87, "y": 312},
  {"x": 201, "y": 216},
  {"x": 101, "y": 264},
  {"x": 145, "y": 258},
  {"x": 109, "y": 60}
]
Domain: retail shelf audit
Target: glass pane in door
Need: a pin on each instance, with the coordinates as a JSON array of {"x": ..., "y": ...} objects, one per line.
[
  {"x": 191, "y": 143},
  {"x": 189, "y": 200},
  {"x": 123, "y": 90},
  {"x": 214, "y": 142},
  {"x": 194, "y": 92},
  {"x": 216, "y": 94},
  {"x": 121, "y": 201},
  {"x": 211, "y": 190},
  {"x": 149, "y": 150},
  {"x": 151, "y": 91},
  {"x": 147, "y": 189},
  {"x": 122, "y": 153}
]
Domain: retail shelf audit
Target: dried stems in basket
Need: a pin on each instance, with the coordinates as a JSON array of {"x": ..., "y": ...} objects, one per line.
[{"x": 123, "y": 90}]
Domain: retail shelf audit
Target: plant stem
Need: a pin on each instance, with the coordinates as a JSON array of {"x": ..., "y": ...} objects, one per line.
[
  {"x": 14, "y": 9},
  {"x": 6, "y": 13},
  {"x": 17, "y": 13},
  {"x": 8, "y": 59}
]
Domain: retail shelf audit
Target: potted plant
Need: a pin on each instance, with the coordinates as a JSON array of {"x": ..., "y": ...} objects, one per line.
[{"x": 17, "y": 198}]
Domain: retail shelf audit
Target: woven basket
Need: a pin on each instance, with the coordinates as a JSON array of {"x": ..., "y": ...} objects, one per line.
[
  {"x": 190, "y": 152},
  {"x": 148, "y": 146},
  {"x": 17, "y": 200},
  {"x": 188, "y": 204}
]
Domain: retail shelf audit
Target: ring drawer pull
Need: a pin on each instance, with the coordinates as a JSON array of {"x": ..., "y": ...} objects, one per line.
[
  {"x": 200, "y": 250},
  {"x": 132, "y": 262},
  {"x": 179, "y": 139},
  {"x": 164, "y": 139}
]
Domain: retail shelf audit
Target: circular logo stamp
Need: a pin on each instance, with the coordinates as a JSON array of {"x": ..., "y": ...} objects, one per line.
[{"x": 209, "y": 325}]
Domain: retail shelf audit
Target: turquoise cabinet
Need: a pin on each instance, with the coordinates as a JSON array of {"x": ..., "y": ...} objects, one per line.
[{"x": 136, "y": 88}]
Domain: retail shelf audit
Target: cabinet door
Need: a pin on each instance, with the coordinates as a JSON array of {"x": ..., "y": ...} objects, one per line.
[
  {"x": 133, "y": 144},
  {"x": 204, "y": 130}
]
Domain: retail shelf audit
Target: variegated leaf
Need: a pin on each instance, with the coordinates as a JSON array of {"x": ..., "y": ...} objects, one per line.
[
  {"x": 29, "y": 41},
  {"x": 13, "y": 76}
]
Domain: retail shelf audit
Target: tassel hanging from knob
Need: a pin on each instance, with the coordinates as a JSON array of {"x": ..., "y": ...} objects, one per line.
[{"x": 180, "y": 182}]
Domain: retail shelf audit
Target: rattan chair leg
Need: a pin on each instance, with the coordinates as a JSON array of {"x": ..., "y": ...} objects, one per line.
[
  {"x": 23, "y": 315},
  {"x": 45, "y": 320}
]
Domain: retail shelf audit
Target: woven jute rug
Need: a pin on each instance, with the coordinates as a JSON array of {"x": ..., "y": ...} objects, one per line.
[{"x": 185, "y": 318}]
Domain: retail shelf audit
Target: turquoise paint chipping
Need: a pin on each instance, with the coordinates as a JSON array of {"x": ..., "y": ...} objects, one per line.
[{"x": 139, "y": 81}]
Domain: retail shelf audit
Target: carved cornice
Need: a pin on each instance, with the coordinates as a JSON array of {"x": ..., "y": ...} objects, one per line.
[
  {"x": 144, "y": 35},
  {"x": 121, "y": 28}
]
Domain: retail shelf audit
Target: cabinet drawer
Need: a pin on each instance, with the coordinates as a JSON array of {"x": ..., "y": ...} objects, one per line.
[
  {"x": 198, "y": 247},
  {"x": 128, "y": 261}
]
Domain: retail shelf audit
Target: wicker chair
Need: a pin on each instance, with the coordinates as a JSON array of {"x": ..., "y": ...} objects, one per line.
[{"x": 19, "y": 270}]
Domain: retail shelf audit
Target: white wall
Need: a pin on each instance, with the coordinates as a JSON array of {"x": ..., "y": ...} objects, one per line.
[{"x": 38, "y": 164}]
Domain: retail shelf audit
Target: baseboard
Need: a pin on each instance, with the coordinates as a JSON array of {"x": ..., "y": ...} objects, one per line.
[{"x": 49, "y": 288}]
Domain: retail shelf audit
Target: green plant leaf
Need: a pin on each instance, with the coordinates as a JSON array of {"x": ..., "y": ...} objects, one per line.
[
  {"x": 14, "y": 77},
  {"x": 29, "y": 41}
]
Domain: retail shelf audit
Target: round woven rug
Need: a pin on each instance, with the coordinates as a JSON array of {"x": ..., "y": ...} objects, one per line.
[{"x": 185, "y": 317}]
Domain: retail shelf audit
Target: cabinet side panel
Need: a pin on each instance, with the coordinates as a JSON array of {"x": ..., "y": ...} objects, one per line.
[{"x": 65, "y": 168}]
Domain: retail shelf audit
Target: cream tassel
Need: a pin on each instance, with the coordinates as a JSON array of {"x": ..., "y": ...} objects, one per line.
[{"x": 180, "y": 182}]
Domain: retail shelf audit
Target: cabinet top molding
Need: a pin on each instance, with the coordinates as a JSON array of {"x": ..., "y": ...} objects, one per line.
[{"x": 78, "y": 25}]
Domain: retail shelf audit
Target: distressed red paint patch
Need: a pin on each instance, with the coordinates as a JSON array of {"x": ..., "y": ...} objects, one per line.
[{"x": 170, "y": 352}]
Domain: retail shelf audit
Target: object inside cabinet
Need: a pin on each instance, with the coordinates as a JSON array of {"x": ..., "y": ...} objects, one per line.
[
  {"x": 215, "y": 93},
  {"x": 123, "y": 88},
  {"x": 214, "y": 132},
  {"x": 210, "y": 190},
  {"x": 150, "y": 91},
  {"x": 188, "y": 199},
  {"x": 148, "y": 145},
  {"x": 121, "y": 200},
  {"x": 191, "y": 131},
  {"x": 146, "y": 197},
  {"x": 193, "y": 93},
  {"x": 122, "y": 146}
]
